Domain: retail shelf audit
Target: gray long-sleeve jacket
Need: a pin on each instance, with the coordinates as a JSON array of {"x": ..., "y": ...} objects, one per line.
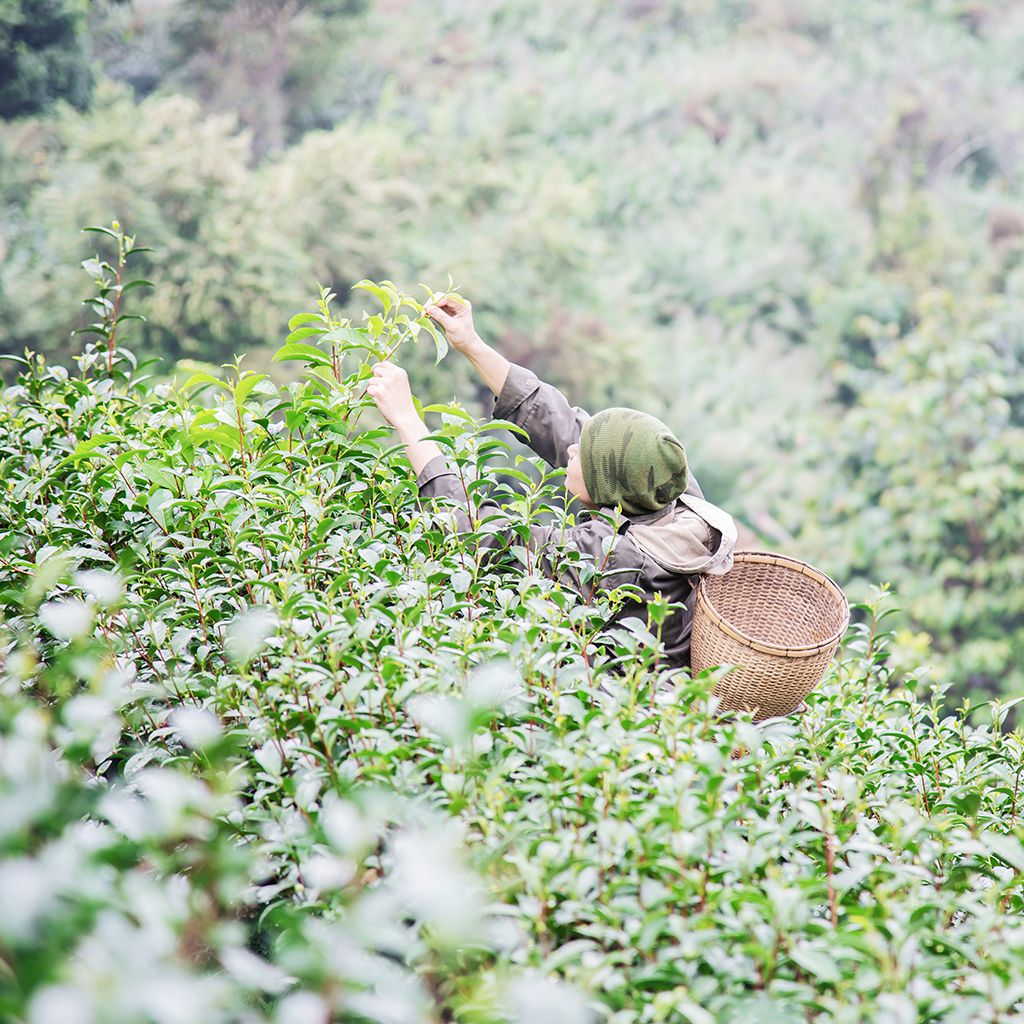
[{"x": 661, "y": 553}]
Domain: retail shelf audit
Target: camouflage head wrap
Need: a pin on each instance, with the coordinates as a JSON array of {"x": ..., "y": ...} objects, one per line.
[{"x": 632, "y": 459}]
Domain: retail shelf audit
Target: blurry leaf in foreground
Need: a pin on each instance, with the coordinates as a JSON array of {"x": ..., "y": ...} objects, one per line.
[
  {"x": 247, "y": 633},
  {"x": 197, "y": 727},
  {"x": 67, "y": 620}
]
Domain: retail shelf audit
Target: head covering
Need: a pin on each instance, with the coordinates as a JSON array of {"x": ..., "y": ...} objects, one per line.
[{"x": 631, "y": 459}]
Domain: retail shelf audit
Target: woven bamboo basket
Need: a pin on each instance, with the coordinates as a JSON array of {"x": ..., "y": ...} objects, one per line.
[{"x": 778, "y": 620}]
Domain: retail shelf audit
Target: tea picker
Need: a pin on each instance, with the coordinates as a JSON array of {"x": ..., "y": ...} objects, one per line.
[{"x": 656, "y": 530}]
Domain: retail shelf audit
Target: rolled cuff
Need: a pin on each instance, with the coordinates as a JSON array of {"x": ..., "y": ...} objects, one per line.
[
  {"x": 436, "y": 467},
  {"x": 519, "y": 385}
]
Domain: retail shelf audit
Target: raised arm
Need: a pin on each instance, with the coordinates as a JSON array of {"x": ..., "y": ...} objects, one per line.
[
  {"x": 551, "y": 423},
  {"x": 435, "y": 478}
]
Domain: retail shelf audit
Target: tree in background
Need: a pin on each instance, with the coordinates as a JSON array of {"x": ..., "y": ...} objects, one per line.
[
  {"x": 43, "y": 56},
  {"x": 275, "y": 64}
]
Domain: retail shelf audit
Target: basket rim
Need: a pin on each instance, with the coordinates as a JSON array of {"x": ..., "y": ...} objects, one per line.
[{"x": 787, "y": 562}]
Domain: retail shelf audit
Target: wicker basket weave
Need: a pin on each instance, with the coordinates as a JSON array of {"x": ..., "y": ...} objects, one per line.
[{"x": 778, "y": 620}]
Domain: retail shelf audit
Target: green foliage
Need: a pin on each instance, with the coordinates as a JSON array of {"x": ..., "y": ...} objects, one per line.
[
  {"x": 111, "y": 288},
  {"x": 43, "y": 56},
  {"x": 741, "y": 224},
  {"x": 933, "y": 449},
  {"x": 276, "y": 744}
]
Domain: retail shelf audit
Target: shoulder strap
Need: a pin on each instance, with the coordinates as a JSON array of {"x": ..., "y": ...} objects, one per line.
[
  {"x": 712, "y": 515},
  {"x": 657, "y": 541}
]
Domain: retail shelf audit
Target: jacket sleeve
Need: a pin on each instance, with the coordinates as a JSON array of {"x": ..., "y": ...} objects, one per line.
[
  {"x": 438, "y": 480},
  {"x": 563, "y": 554},
  {"x": 543, "y": 412}
]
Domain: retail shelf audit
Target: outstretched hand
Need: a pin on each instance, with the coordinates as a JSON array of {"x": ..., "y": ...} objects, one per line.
[
  {"x": 392, "y": 395},
  {"x": 456, "y": 317}
]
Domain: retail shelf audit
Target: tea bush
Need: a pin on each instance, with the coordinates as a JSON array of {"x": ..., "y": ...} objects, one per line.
[
  {"x": 801, "y": 223},
  {"x": 276, "y": 744}
]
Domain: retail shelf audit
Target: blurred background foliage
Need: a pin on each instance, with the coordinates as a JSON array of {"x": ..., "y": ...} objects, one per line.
[{"x": 793, "y": 228}]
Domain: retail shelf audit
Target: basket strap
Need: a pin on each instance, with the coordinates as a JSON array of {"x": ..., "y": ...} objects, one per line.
[
  {"x": 651, "y": 540},
  {"x": 692, "y": 578},
  {"x": 719, "y": 519}
]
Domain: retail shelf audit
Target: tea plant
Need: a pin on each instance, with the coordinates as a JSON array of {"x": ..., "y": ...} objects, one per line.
[{"x": 276, "y": 743}]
